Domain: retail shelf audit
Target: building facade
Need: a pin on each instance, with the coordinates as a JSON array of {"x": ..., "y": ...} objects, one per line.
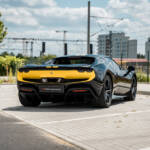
[
  {"x": 117, "y": 45},
  {"x": 147, "y": 48},
  {"x": 132, "y": 49}
]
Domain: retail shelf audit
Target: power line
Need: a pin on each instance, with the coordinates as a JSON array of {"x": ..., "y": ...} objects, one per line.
[
  {"x": 108, "y": 18},
  {"x": 45, "y": 39}
]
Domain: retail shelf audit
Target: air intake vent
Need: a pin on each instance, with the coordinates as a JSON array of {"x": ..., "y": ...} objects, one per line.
[{"x": 54, "y": 80}]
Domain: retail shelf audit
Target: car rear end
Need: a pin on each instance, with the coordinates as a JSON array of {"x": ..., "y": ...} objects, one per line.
[{"x": 56, "y": 82}]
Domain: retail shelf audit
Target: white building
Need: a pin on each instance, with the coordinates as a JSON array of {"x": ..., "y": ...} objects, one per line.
[
  {"x": 147, "y": 48},
  {"x": 117, "y": 46},
  {"x": 132, "y": 49}
]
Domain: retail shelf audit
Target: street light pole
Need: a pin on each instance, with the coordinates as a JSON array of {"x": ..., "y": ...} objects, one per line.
[
  {"x": 110, "y": 42},
  {"x": 31, "y": 54},
  {"x": 88, "y": 28},
  {"x": 121, "y": 51},
  {"x": 148, "y": 68},
  {"x": 26, "y": 49}
]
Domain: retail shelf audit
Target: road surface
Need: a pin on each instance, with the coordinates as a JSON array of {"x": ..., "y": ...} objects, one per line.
[{"x": 123, "y": 126}]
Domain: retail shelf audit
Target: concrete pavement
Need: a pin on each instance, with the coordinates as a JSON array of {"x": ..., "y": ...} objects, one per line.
[
  {"x": 18, "y": 135},
  {"x": 124, "y": 126},
  {"x": 144, "y": 88}
]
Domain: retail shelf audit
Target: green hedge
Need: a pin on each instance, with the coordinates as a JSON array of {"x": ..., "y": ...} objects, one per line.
[
  {"x": 10, "y": 64},
  {"x": 141, "y": 77}
]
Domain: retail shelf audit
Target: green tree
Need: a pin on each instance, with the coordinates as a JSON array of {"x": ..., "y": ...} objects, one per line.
[
  {"x": 4, "y": 53},
  {"x": 10, "y": 64},
  {"x": 12, "y": 54},
  {"x": 19, "y": 55},
  {"x": 3, "y": 30},
  {"x": 140, "y": 56}
]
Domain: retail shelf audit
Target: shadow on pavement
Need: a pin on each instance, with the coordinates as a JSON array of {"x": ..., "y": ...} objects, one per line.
[{"x": 61, "y": 107}]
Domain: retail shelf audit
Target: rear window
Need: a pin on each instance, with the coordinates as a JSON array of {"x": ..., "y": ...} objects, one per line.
[{"x": 74, "y": 60}]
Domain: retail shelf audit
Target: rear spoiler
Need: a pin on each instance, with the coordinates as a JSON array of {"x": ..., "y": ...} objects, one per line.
[{"x": 80, "y": 69}]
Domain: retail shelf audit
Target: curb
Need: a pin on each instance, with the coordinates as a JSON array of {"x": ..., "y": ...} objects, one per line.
[{"x": 143, "y": 92}]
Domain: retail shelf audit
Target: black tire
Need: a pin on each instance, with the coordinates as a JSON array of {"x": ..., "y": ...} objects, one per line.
[
  {"x": 132, "y": 93},
  {"x": 29, "y": 100},
  {"x": 105, "y": 98}
]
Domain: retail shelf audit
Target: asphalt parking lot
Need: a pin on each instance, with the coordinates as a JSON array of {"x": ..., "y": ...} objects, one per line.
[
  {"x": 123, "y": 126},
  {"x": 18, "y": 135}
]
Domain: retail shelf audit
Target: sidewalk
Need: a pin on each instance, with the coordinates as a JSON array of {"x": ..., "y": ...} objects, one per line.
[
  {"x": 143, "y": 88},
  {"x": 6, "y": 78}
]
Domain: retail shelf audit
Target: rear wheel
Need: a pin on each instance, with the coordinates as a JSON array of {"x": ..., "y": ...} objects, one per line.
[
  {"x": 29, "y": 100},
  {"x": 104, "y": 100},
  {"x": 132, "y": 94}
]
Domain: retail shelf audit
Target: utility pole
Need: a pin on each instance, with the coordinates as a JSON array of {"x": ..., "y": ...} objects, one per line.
[
  {"x": 26, "y": 49},
  {"x": 31, "y": 54},
  {"x": 121, "y": 51},
  {"x": 43, "y": 48},
  {"x": 148, "y": 68},
  {"x": 110, "y": 39},
  {"x": 64, "y": 41},
  {"x": 88, "y": 28},
  {"x": 91, "y": 48},
  {"x": 23, "y": 47}
]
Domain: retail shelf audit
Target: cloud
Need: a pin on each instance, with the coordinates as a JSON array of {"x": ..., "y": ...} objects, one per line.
[
  {"x": 136, "y": 18},
  {"x": 137, "y": 9},
  {"x": 117, "y": 4},
  {"x": 69, "y": 13},
  {"x": 28, "y": 3},
  {"x": 43, "y": 17},
  {"x": 50, "y": 3},
  {"x": 19, "y": 16},
  {"x": 55, "y": 16}
]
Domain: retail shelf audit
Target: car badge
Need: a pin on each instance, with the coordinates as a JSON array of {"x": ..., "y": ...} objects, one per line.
[
  {"x": 59, "y": 80},
  {"x": 44, "y": 80}
]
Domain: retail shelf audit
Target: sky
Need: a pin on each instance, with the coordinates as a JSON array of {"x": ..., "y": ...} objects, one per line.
[{"x": 41, "y": 19}]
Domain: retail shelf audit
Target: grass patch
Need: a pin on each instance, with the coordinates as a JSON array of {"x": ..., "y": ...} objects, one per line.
[
  {"x": 141, "y": 77},
  {"x": 8, "y": 81}
]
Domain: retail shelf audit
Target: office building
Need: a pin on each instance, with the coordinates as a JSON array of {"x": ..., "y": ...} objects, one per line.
[{"x": 117, "y": 45}]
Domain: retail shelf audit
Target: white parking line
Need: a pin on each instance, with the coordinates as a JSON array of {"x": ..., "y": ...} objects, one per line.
[
  {"x": 94, "y": 117},
  {"x": 148, "y": 148}
]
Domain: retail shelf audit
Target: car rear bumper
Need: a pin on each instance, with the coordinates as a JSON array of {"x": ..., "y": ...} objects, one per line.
[{"x": 47, "y": 92}]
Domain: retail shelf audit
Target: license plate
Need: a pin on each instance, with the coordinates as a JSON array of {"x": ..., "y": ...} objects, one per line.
[{"x": 51, "y": 88}]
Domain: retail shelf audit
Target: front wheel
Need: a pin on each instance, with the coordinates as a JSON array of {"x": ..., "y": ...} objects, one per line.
[
  {"x": 29, "y": 100},
  {"x": 104, "y": 100}
]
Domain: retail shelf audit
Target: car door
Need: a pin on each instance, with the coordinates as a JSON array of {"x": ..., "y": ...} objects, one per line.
[
  {"x": 117, "y": 78},
  {"x": 121, "y": 85},
  {"x": 125, "y": 82}
]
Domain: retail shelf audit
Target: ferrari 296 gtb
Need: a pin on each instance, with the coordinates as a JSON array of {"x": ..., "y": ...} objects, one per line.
[{"x": 91, "y": 78}]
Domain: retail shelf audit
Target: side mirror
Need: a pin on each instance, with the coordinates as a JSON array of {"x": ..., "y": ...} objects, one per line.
[{"x": 130, "y": 68}]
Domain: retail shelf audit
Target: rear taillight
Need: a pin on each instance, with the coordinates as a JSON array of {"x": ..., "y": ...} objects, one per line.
[
  {"x": 79, "y": 91},
  {"x": 26, "y": 89}
]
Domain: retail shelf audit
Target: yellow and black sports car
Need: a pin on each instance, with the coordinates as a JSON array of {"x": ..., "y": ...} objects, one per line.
[{"x": 93, "y": 78}]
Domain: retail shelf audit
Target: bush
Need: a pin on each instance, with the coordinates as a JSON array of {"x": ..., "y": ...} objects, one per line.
[
  {"x": 141, "y": 77},
  {"x": 10, "y": 64}
]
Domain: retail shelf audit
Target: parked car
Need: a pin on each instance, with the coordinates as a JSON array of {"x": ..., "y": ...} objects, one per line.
[{"x": 93, "y": 78}]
